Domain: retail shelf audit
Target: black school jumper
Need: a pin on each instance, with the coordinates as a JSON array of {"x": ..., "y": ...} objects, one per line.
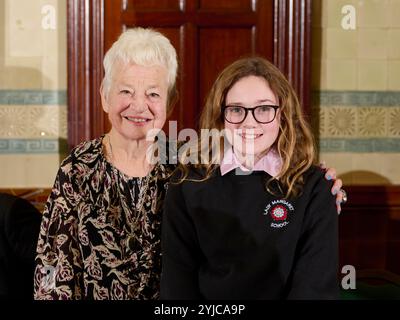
[{"x": 227, "y": 238}]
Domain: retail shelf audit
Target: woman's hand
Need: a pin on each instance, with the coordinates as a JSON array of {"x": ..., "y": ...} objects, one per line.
[{"x": 341, "y": 195}]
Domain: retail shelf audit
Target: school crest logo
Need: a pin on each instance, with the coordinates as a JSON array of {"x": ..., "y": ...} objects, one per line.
[{"x": 279, "y": 211}]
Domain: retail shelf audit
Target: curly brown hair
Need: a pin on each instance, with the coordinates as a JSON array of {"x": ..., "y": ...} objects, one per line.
[{"x": 295, "y": 143}]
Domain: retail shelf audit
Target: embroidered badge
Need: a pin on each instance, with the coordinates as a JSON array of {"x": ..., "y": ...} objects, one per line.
[{"x": 279, "y": 211}]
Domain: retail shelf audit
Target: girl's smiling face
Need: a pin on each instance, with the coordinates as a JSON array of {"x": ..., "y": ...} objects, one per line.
[{"x": 251, "y": 138}]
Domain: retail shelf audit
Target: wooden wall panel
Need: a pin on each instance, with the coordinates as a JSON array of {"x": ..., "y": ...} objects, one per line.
[
  {"x": 369, "y": 228},
  {"x": 175, "y": 35},
  {"x": 152, "y": 5},
  {"x": 280, "y": 31},
  {"x": 242, "y": 5},
  {"x": 207, "y": 35},
  {"x": 220, "y": 46}
]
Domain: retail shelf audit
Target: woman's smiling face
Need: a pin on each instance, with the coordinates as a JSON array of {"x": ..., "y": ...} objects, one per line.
[
  {"x": 251, "y": 138},
  {"x": 137, "y": 100}
]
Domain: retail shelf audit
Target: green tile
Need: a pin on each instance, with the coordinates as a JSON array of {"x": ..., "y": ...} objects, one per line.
[
  {"x": 33, "y": 97},
  {"x": 356, "y": 98},
  {"x": 31, "y": 146}
]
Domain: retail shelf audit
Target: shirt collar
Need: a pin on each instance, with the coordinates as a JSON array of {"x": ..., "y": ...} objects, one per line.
[{"x": 271, "y": 163}]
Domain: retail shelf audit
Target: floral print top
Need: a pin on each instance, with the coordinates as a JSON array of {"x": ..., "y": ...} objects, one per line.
[{"x": 95, "y": 242}]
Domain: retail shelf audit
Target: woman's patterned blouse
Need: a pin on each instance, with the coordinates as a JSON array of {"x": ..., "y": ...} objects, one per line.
[{"x": 94, "y": 242}]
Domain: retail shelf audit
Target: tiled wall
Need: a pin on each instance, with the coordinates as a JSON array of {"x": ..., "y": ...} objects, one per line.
[
  {"x": 356, "y": 89},
  {"x": 356, "y": 83},
  {"x": 33, "y": 111}
]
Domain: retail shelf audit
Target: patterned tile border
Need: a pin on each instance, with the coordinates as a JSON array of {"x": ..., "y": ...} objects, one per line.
[
  {"x": 29, "y": 97},
  {"x": 354, "y": 122},
  {"x": 33, "y": 122},
  {"x": 356, "y": 98},
  {"x": 353, "y": 99},
  {"x": 46, "y": 146},
  {"x": 358, "y": 121},
  {"x": 32, "y": 146},
  {"x": 360, "y": 145}
]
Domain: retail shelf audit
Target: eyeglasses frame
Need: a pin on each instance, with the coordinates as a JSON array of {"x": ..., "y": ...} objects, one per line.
[{"x": 246, "y": 110}]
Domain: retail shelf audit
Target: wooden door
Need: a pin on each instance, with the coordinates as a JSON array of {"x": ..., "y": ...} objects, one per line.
[{"x": 207, "y": 34}]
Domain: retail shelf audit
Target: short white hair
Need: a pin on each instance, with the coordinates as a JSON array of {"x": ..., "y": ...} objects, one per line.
[{"x": 145, "y": 47}]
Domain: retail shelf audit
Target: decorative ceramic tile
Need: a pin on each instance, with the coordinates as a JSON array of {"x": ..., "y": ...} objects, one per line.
[
  {"x": 33, "y": 97},
  {"x": 372, "y": 122},
  {"x": 13, "y": 122},
  {"x": 10, "y": 146},
  {"x": 341, "y": 121},
  {"x": 394, "y": 122},
  {"x": 48, "y": 121},
  {"x": 384, "y": 145},
  {"x": 358, "y": 121},
  {"x": 33, "y": 121},
  {"x": 356, "y": 98}
]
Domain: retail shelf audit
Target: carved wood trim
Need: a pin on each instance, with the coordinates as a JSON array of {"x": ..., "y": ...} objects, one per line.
[
  {"x": 85, "y": 55},
  {"x": 292, "y": 52}
]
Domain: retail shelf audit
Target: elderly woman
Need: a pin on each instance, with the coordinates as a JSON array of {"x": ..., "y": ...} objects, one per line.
[{"x": 100, "y": 232}]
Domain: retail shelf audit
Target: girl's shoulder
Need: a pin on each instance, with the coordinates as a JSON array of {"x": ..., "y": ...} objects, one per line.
[
  {"x": 193, "y": 173},
  {"x": 315, "y": 172},
  {"x": 315, "y": 179}
]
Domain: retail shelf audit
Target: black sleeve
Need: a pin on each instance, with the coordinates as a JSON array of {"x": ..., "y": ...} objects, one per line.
[
  {"x": 314, "y": 275},
  {"x": 180, "y": 253},
  {"x": 18, "y": 246}
]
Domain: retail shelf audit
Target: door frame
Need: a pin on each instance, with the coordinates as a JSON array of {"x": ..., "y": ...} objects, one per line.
[{"x": 85, "y": 25}]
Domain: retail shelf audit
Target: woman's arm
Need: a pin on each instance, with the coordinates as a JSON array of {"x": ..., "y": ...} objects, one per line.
[
  {"x": 58, "y": 271},
  {"x": 180, "y": 253},
  {"x": 314, "y": 275}
]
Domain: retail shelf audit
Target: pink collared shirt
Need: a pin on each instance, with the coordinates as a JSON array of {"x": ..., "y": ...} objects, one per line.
[{"x": 271, "y": 163}]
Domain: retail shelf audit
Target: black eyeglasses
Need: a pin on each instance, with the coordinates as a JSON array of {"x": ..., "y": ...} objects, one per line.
[{"x": 237, "y": 114}]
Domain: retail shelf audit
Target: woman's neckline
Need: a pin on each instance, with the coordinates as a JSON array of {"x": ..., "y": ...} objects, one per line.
[{"x": 114, "y": 168}]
